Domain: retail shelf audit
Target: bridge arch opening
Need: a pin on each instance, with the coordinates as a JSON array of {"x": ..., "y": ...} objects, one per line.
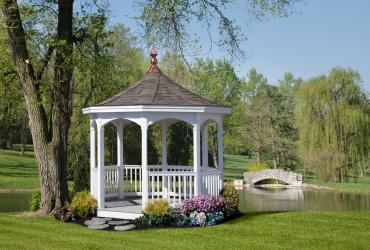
[{"x": 270, "y": 181}]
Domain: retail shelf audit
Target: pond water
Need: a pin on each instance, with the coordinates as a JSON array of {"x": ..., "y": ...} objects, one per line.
[
  {"x": 289, "y": 199},
  {"x": 251, "y": 200},
  {"x": 15, "y": 202}
]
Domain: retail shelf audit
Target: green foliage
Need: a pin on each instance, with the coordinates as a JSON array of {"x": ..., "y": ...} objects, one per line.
[
  {"x": 159, "y": 213},
  {"x": 159, "y": 207},
  {"x": 172, "y": 219},
  {"x": 269, "y": 131},
  {"x": 218, "y": 82},
  {"x": 35, "y": 201},
  {"x": 180, "y": 144},
  {"x": 257, "y": 167},
  {"x": 333, "y": 119},
  {"x": 83, "y": 204},
  {"x": 13, "y": 113},
  {"x": 109, "y": 57},
  {"x": 229, "y": 192},
  {"x": 166, "y": 23}
]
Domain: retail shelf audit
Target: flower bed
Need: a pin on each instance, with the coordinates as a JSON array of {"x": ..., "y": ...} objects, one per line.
[{"x": 198, "y": 211}]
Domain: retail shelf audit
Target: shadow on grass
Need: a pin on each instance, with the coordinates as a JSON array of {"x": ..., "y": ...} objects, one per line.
[{"x": 28, "y": 155}]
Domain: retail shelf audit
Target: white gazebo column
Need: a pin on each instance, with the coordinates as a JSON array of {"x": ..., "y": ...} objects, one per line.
[
  {"x": 197, "y": 170},
  {"x": 205, "y": 145},
  {"x": 220, "y": 148},
  {"x": 144, "y": 163},
  {"x": 120, "y": 158},
  {"x": 93, "y": 169},
  {"x": 101, "y": 174},
  {"x": 164, "y": 160}
]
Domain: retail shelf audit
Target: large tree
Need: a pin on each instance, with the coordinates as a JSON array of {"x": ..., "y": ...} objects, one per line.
[
  {"x": 269, "y": 131},
  {"x": 50, "y": 113},
  {"x": 49, "y": 134},
  {"x": 333, "y": 119}
]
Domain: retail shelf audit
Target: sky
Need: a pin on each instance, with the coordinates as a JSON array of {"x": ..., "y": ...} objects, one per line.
[{"x": 319, "y": 35}]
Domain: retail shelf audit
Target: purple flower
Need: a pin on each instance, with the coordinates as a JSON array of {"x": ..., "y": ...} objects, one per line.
[{"x": 205, "y": 204}]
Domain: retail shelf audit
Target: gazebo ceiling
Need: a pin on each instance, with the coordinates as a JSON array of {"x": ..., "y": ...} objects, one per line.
[{"x": 155, "y": 88}]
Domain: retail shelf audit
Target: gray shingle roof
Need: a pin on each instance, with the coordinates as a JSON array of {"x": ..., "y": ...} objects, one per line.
[{"x": 155, "y": 88}]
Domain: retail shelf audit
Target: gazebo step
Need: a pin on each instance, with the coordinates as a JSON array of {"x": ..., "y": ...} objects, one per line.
[{"x": 118, "y": 214}]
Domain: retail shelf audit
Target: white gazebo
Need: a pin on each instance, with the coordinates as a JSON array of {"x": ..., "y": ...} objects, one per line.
[{"x": 123, "y": 190}]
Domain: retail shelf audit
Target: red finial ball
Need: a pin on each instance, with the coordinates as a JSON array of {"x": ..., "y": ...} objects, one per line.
[{"x": 153, "y": 54}]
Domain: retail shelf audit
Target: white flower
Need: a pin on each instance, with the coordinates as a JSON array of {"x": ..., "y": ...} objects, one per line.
[{"x": 201, "y": 219}]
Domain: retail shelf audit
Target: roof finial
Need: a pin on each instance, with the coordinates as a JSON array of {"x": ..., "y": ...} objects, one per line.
[{"x": 153, "y": 54}]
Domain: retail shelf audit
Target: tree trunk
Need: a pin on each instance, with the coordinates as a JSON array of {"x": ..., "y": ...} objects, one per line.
[
  {"x": 50, "y": 144},
  {"x": 258, "y": 157},
  {"x": 214, "y": 152}
]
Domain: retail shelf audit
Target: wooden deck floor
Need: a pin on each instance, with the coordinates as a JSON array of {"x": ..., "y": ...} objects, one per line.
[
  {"x": 122, "y": 209},
  {"x": 126, "y": 205},
  {"x": 128, "y": 208}
]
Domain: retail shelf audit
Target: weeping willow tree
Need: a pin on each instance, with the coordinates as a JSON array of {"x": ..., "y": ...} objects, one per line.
[{"x": 332, "y": 114}]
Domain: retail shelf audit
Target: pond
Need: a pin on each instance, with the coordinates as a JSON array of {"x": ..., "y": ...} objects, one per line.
[
  {"x": 15, "y": 201},
  {"x": 288, "y": 199},
  {"x": 251, "y": 200}
]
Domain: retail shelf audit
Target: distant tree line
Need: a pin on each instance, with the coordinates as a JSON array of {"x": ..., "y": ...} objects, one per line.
[
  {"x": 321, "y": 124},
  {"x": 53, "y": 44}
]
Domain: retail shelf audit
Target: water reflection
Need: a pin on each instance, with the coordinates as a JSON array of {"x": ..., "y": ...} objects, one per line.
[
  {"x": 15, "y": 202},
  {"x": 251, "y": 199},
  {"x": 287, "y": 199}
]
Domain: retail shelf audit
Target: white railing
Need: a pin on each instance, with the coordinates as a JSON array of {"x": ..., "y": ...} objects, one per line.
[
  {"x": 132, "y": 180},
  {"x": 172, "y": 168},
  {"x": 211, "y": 181},
  {"x": 111, "y": 174},
  {"x": 131, "y": 175},
  {"x": 175, "y": 183},
  {"x": 173, "y": 186}
]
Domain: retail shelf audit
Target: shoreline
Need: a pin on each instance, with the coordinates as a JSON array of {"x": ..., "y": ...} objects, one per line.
[
  {"x": 319, "y": 187},
  {"x": 239, "y": 185},
  {"x": 17, "y": 190}
]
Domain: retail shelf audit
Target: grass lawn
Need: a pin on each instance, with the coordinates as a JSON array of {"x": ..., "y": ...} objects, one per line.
[
  {"x": 288, "y": 230},
  {"x": 362, "y": 185},
  {"x": 235, "y": 166},
  {"x": 18, "y": 171}
]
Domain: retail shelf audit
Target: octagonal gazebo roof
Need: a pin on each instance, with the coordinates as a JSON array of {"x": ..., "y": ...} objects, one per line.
[
  {"x": 155, "y": 88},
  {"x": 156, "y": 92}
]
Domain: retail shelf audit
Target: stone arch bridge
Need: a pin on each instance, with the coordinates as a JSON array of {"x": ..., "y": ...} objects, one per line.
[{"x": 291, "y": 178}]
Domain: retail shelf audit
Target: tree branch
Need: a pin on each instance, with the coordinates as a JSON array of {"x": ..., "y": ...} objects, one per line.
[{"x": 45, "y": 62}]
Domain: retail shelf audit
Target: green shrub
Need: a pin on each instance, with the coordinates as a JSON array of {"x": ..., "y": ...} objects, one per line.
[
  {"x": 160, "y": 213},
  {"x": 83, "y": 204},
  {"x": 158, "y": 207},
  {"x": 257, "y": 167},
  {"x": 35, "y": 201},
  {"x": 171, "y": 219},
  {"x": 230, "y": 193}
]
